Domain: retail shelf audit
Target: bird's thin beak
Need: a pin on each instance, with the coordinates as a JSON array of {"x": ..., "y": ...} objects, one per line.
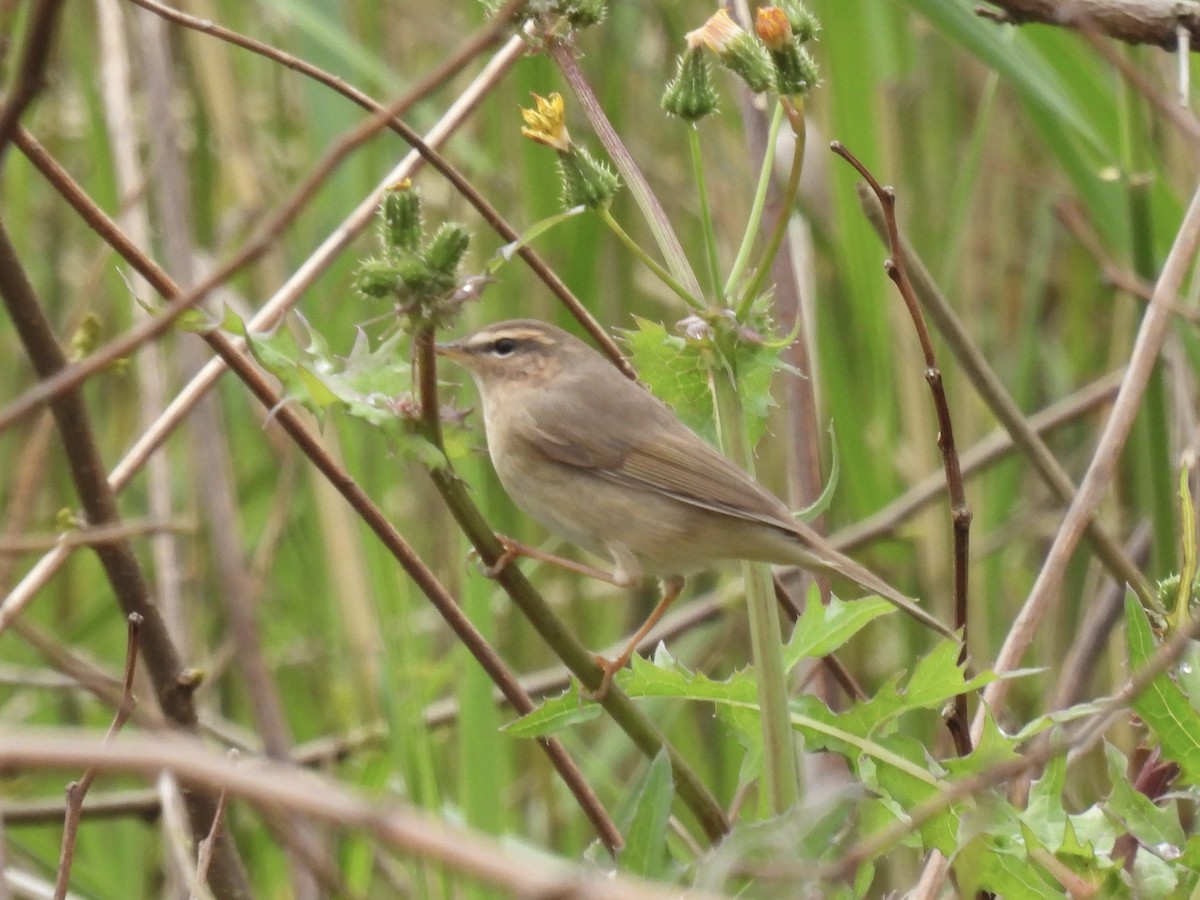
[{"x": 452, "y": 350}]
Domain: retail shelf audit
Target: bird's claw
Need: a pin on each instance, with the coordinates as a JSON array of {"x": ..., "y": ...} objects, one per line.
[
  {"x": 609, "y": 668},
  {"x": 511, "y": 550}
]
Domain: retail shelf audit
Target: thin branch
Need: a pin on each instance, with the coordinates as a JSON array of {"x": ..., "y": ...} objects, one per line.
[
  {"x": 438, "y": 162},
  {"x": 991, "y": 449},
  {"x": 121, "y": 566},
  {"x": 204, "y": 851},
  {"x": 1181, "y": 117},
  {"x": 77, "y": 790},
  {"x": 31, "y": 71},
  {"x": 993, "y": 392},
  {"x": 1132, "y": 21},
  {"x": 89, "y": 536},
  {"x": 138, "y": 804},
  {"x": 1153, "y": 331},
  {"x": 960, "y": 512},
  {"x": 301, "y": 793}
]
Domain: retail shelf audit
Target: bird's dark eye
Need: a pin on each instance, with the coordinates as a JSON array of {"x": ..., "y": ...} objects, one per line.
[{"x": 504, "y": 347}]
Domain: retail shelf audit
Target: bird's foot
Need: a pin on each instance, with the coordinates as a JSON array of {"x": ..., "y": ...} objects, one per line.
[{"x": 609, "y": 668}]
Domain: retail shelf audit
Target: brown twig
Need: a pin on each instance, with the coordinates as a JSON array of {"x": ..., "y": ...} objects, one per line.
[
  {"x": 993, "y": 392},
  {"x": 120, "y": 564},
  {"x": 204, "y": 850},
  {"x": 974, "y": 460},
  {"x": 1131, "y": 21},
  {"x": 297, "y": 792},
  {"x": 88, "y": 537},
  {"x": 31, "y": 70},
  {"x": 1181, "y": 117},
  {"x": 438, "y": 162},
  {"x": 1143, "y": 357},
  {"x": 77, "y": 790},
  {"x": 139, "y": 804},
  {"x": 960, "y": 512}
]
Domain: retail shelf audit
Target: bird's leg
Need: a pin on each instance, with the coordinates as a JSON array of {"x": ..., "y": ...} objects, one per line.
[
  {"x": 672, "y": 587},
  {"x": 515, "y": 550}
]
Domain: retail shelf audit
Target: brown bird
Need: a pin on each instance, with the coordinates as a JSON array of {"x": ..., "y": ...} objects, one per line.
[{"x": 601, "y": 462}]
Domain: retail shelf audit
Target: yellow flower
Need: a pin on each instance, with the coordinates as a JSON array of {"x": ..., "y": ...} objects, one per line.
[{"x": 547, "y": 124}]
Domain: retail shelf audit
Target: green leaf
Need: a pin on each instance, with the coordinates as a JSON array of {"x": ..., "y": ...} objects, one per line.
[
  {"x": 992, "y": 748},
  {"x": 822, "y": 629},
  {"x": 937, "y": 678},
  {"x": 674, "y": 374},
  {"x": 1153, "y": 825},
  {"x": 1187, "y": 674},
  {"x": 645, "y": 852},
  {"x": 677, "y": 371},
  {"x": 1059, "y": 717},
  {"x": 822, "y": 503},
  {"x": 505, "y": 253},
  {"x": 555, "y": 715},
  {"x": 998, "y": 861},
  {"x": 1162, "y": 705},
  {"x": 371, "y": 384},
  {"x": 808, "y": 834},
  {"x": 1045, "y": 814}
]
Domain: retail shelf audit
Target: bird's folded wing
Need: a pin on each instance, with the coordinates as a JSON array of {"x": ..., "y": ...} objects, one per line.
[{"x": 663, "y": 457}]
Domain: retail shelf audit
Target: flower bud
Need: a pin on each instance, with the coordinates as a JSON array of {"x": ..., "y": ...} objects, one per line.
[
  {"x": 400, "y": 218},
  {"x": 585, "y": 181},
  {"x": 795, "y": 71},
  {"x": 691, "y": 95},
  {"x": 376, "y": 278},
  {"x": 773, "y": 28},
  {"x": 446, "y": 248},
  {"x": 736, "y": 49},
  {"x": 804, "y": 24}
]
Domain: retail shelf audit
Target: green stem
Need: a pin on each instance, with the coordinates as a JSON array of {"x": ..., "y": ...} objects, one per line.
[
  {"x": 706, "y": 222},
  {"x": 756, "y": 211},
  {"x": 640, "y": 729},
  {"x": 781, "y": 775},
  {"x": 663, "y": 275},
  {"x": 795, "y": 114},
  {"x": 660, "y": 226}
]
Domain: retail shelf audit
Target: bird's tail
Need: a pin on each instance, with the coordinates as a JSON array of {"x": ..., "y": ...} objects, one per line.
[{"x": 863, "y": 576}]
